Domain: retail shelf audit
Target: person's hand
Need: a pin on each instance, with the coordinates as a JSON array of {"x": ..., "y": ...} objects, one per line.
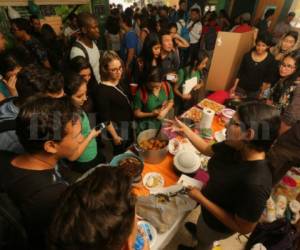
[
  {"x": 194, "y": 193},
  {"x": 162, "y": 114},
  {"x": 11, "y": 82},
  {"x": 176, "y": 126},
  {"x": 198, "y": 86},
  {"x": 94, "y": 133},
  {"x": 156, "y": 112},
  {"x": 232, "y": 92},
  {"x": 117, "y": 140},
  {"x": 186, "y": 96}
]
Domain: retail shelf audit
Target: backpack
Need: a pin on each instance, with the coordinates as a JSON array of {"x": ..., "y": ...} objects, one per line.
[
  {"x": 144, "y": 93},
  {"x": 12, "y": 232},
  {"x": 278, "y": 235},
  {"x": 184, "y": 33},
  {"x": 210, "y": 38}
]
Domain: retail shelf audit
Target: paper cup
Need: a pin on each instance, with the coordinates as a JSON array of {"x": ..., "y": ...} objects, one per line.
[{"x": 133, "y": 88}]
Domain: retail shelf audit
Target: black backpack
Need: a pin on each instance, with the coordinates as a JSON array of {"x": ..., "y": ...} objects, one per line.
[
  {"x": 278, "y": 235},
  {"x": 12, "y": 232}
]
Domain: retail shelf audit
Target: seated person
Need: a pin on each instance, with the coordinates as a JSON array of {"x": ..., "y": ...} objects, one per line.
[
  {"x": 97, "y": 212},
  {"x": 31, "y": 81},
  {"x": 9, "y": 69},
  {"x": 197, "y": 69},
  {"x": 88, "y": 155},
  {"x": 285, "y": 95},
  {"x": 153, "y": 102},
  {"x": 256, "y": 70},
  {"x": 240, "y": 180},
  {"x": 49, "y": 130}
]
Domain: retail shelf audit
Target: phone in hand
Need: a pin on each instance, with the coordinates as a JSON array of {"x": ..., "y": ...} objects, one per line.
[
  {"x": 171, "y": 77},
  {"x": 100, "y": 126}
]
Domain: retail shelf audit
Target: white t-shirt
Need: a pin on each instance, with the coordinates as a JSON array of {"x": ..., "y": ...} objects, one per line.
[
  {"x": 196, "y": 31},
  {"x": 94, "y": 57}
]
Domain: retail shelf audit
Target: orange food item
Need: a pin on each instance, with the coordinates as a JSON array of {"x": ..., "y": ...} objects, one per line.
[{"x": 153, "y": 144}]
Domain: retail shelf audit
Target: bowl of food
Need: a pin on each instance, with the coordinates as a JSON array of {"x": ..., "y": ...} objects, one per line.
[
  {"x": 132, "y": 164},
  {"x": 186, "y": 162},
  {"x": 153, "y": 180},
  {"x": 151, "y": 148},
  {"x": 174, "y": 146},
  {"x": 227, "y": 114}
]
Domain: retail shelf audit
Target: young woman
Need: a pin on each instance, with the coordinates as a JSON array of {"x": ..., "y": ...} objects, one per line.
[
  {"x": 196, "y": 69},
  {"x": 112, "y": 104},
  {"x": 256, "y": 70},
  {"x": 285, "y": 45},
  {"x": 150, "y": 56},
  {"x": 9, "y": 70},
  {"x": 81, "y": 65},
  {"x": 153, "y": 101},
  {"x": 88, "y": 155},
  {"x": 285, "y": 95},
  {"x": 240, "y": 179}
]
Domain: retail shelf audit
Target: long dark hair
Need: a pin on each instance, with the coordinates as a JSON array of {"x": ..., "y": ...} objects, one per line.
[
  {"x": 147, "y": 53},
  {"x": 202, "y": 54}
]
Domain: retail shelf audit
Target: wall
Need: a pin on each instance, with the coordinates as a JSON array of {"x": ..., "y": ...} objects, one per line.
[{"x": 242, "y": 6}]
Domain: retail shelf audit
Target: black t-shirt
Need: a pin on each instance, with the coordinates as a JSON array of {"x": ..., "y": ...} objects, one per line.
[
  {"x": 239, "y": 187},
  {"x": 252, "y": 74},
  {"x": 112, "y": 104},
  {"x": 35, "y": 193}
]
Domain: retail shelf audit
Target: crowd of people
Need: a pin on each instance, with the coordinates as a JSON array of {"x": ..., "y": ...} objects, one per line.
[{"x": 56, "y": 90}]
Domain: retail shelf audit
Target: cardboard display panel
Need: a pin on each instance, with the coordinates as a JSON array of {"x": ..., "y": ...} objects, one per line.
[{"x": 227, "y": 57}]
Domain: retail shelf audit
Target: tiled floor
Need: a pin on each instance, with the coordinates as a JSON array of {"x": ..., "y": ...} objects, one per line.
[{"x": 183, "y": 237}]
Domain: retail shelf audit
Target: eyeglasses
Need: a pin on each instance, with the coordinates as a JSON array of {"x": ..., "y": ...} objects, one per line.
[
  {"x": 115, "y": 70},
  {"x": 287, "y": 65},
  {"x": 233, "y": 122}
]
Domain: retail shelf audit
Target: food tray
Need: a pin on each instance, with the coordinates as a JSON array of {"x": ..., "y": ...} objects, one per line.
[{"x": 206, "y": 103}]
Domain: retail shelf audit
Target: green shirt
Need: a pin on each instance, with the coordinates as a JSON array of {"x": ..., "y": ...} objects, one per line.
[
  {"x": 183, "y": 75},
  {"x": 153, "y": 102},
  {"x": 91, "y": 150}
]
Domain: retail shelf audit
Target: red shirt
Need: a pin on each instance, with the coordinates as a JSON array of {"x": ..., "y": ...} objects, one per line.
[
  {"x": 211, "y": 24},
  {"x": 242, "y": 28}
]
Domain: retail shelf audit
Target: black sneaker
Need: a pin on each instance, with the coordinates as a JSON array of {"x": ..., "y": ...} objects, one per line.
[
  {"x": 183, "y": 247},
  {"x": 192, "y": 229}
]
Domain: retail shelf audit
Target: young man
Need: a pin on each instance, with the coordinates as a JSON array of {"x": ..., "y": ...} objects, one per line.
[
  {"x": 245, "y": 25},
  {"x": 169, "y": 58},
  {"x": 20, "y": 28},
  {"x": 130, "y": 46},
  {"x": 283, "y": 27},
  {"x": 85, "y": 46},
  {"x": 264, "y": 24},
  {"x": 195, "y": 29},
  {"x": 106, "y": 224},
  {"x": 49, "y": 130},
  {"x": 32, "y": 80}
]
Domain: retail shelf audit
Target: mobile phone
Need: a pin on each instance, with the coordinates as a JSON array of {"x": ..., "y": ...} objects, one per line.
[
  {"x": 100, "y": 126},
  {"x": 171, "y": 77}
]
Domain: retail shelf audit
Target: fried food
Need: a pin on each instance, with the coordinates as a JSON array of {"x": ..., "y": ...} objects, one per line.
[
  {"x": 153, "y": 144},
  {"x": 194, "y": 114},
  {"x": 206, "y": 103}
]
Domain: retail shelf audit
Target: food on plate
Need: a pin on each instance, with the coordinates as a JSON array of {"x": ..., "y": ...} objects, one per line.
[
  {"x": 206, "y": 103},
  {"x": 153, "y": 144},
  {"x": 174, "y": 146},
  {"x": 132, "y": 165},
  {"x": 153, "y": 180},
  {"x": 194, "y": 114}
]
